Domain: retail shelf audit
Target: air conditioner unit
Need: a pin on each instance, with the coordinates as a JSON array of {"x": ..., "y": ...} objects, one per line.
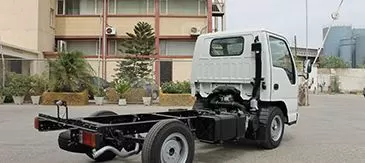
[
  {"x": 110, "y": 31},
  {"x": 61, "y": 46},
  {"x": 194, "y": 31}
]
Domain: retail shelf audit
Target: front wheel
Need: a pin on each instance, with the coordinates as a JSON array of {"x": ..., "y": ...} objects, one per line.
[
  {"x": 168, "y": 141},
  {"x": 271, "y": 128}
]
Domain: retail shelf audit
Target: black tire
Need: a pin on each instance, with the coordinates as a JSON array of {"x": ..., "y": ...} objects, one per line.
[
  {"x": 103, "y": 113},
  {"x": 266, "y": 118},
  {"x": 108, "y": 155},
  {"x": 65, "y": 143},
  {"x": 152, "y": 146}
]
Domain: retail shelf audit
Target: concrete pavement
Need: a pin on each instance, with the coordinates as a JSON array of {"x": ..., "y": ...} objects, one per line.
[{"x": 331, "y": 130}]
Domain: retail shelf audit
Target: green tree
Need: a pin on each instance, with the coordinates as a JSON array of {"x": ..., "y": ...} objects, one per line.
[
  {"x": 333, "y": 62},
  {"x": 70, "y": 72},
  {"x": 136, "y": 68}
]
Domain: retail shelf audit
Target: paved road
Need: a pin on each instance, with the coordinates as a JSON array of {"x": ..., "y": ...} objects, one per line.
[{"x": 331, "y": 130}]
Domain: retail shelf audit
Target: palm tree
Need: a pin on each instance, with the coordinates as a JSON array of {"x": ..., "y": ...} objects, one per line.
[{"x": 70, "y": 72}]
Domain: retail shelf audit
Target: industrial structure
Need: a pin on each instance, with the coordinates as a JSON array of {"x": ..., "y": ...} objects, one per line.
[{"x": 346, "y": 42}]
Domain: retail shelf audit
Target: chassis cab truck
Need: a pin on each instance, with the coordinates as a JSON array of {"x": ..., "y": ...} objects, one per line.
[
  {"x": 245, "y": 84},
  {"x": 265, "y": 76}
]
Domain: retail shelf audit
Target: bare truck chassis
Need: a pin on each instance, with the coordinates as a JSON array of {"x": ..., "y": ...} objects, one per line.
[{"x": 103, "y": 136}]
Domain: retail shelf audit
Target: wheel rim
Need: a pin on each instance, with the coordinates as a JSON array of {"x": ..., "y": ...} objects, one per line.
[
  {"x": 174, "y": 149},
  {"x": 276, "y": 128}
]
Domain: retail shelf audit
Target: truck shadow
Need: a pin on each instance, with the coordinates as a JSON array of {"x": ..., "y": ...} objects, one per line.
[
  {"x": 218, "y": 153},
  {"x": 211, "y": 153}
]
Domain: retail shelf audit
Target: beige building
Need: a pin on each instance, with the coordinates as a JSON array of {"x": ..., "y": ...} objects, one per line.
[
  {"x": 27, "y": 29},
  {"x": 36, "y": 29}
]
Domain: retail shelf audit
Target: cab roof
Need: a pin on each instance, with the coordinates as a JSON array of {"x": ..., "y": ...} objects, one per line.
[{"x": 240, "y": 32}]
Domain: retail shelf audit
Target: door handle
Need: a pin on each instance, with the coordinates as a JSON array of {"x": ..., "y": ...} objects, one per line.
[{"x": 276, "y": 86}]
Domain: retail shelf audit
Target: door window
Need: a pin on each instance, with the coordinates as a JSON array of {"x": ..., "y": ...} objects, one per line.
[{"x": 281, "y": 57}]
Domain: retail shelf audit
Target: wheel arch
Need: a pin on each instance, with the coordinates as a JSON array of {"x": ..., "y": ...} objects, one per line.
[{"x": 281, "y": 105}]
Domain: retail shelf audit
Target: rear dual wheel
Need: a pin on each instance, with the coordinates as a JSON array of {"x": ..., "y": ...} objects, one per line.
[{"x": 168, "y": 141}]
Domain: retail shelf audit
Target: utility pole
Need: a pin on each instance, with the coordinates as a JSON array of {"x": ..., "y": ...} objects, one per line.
[
  {"x": 335, "y": 16},
  {"x": 3, "y": 63},
  {"x": 306, "y": 52},
  {"x": 100, "y": 46},
  {"x": 295, "y": 46},
  {"x": 105, "y": 12}
]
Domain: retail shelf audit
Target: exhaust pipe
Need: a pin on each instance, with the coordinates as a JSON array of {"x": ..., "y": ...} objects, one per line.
[{"x": 99, "y": 152}]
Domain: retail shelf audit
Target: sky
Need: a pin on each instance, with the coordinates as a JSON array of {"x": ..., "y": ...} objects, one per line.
[{"x": 287, "y": 17}]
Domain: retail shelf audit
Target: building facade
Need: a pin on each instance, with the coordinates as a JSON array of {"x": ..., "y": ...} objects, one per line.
[
  {"x": 83, "y": 25},
  {"x": 95, "y": 27}
]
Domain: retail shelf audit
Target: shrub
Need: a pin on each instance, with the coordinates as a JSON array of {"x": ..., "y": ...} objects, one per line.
[
  {"x": 333, "y": 62},
  {"x": 18, "y": 85},
  {"x": 2, "y": 91},
  {"x": 39, "y": 84},
  {"x": 176, "y": 87},
  {"x": 99, "y": 92},
  {"x": 122, "y": 86}
]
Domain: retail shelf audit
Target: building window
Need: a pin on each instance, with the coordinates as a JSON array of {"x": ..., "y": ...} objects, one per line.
[
  {"x": 99, "y": 7},
  {"x": 177, "y": 48},
  {"x": 51, "y": 18},
  {"x": 72, "y": 7},
  {"x": 87, "y": 47},
  {"x": 185, "y": 7},
  {"x": 129, "y": 7},
  {"x": 79, "y": 7},
  {"x": 112, "y": 47},
  {"x": 115, "y": 47},
  {"x": 151, "y": 6},
  {"x": 60, "y": 7},
  {"x": 16, "y": 66},
  {"x": 203, "y": 10},
  {"x": 163, "y": 7},
  {"x": 227, "y": 46}
]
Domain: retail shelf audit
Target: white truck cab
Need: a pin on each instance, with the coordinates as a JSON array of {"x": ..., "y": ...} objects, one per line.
[{"x": 257, "y": 64}]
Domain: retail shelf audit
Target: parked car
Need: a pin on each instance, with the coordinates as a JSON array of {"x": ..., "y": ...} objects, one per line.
[{"x": 96, "y": 81}]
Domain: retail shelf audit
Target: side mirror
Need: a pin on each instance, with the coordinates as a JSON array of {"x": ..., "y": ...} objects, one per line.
[{"x": 307, "y": 66}]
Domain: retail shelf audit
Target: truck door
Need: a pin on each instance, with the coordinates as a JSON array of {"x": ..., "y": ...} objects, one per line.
[{"x": 283, "y": 76}]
